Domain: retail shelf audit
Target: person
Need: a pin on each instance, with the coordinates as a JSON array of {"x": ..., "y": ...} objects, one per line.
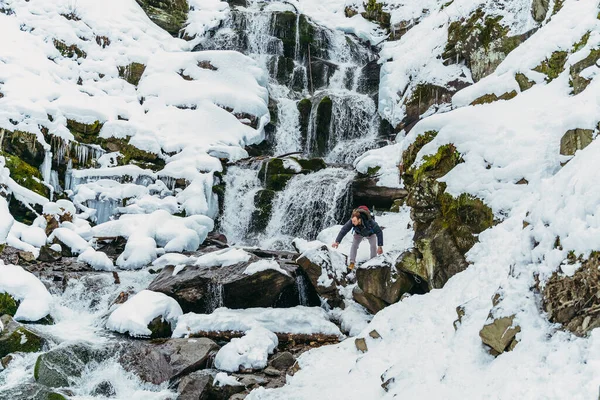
[{"x": 364, "y": 226}]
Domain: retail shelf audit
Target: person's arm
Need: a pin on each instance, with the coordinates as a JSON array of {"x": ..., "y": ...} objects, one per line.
[
  {"x": 345, "y": 229},
  {"x": 379, "y": 232}
]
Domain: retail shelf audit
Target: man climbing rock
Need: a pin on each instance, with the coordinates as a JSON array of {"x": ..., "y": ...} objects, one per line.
[{"x": 364, "y": 226}]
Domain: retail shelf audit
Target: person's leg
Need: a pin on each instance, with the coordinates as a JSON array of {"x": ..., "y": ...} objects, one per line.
[
  {"x": 373, "y": 245},
  {"x": 354, "y": 249}
]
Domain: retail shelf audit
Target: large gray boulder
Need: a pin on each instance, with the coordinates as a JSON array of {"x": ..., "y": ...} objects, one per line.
[
  {"x": 14, "y": 338},
  {"x": 62, "y": 365}
]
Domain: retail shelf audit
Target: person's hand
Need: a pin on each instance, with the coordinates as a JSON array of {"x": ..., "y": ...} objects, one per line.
[
  {"x": 380, "y": 250},
  {"x": 335, "y": 245}
]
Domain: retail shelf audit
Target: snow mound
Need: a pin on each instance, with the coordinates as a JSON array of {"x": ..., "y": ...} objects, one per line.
[
  {"x": 96, "y": 259},
  {"x": 296, "y": 320},
  {"x": 223, "y": 258},
  {"x": 264, "y": 265},
  {"x": 135, "y": 314},
  {"x": 248, "y": 352},
  {"x": 35, "y": 300}
]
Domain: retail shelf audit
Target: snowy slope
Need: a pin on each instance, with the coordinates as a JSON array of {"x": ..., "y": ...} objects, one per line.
[{"x": 420, "y": 354}]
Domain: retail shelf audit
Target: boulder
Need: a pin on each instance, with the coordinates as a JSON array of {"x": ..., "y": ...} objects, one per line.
[
  {"x": 170, "y": 15},
  {"x": 499, "y": 333},
  {"x": 572, "y": 300},
  {"x": 539, "y": 9},
  {"x": 326, "y": 271},
  {"x": 61, "y": 365},
  {"x": 16, "y": 338},
  {"x": 32, "y": 391},
  {"x": 282, "y": 361},
  {"x": 166, "y": 360},
  {"x": 384, "y": 282},
  {"x": 196, "y": 386},
  {"x": 203, "y": 289},
  {"x": 365, "y": 191},
  {"x": 370, "y": 302}
]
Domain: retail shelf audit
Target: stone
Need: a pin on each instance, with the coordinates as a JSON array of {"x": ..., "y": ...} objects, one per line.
[
  {"x": 575, "y": 139},
  {"x": 62, "y": 365},
  {"x": 384, "y": 282},
  {"x": 165, "y": 360},
  {"x": 397, "y": 204},
  {"x": 170, "y": 15},
  {"x": 270, "y": 371},
  {"x": 104, "y": 389},
  {"x": 202, "y": 289},
  {"x": 32, "y": 391},
  {"x": 374, "y": 334},
  {"x": 361, "y": 345},
  {"x": 294, "y": 368},
  {"x": 160, "y": 328},
  {"x": 132, "y": 73},
  {"x": 16, "y": 338},
  {"x": 195, "y": 386},
  {"x": 372, "y": 303},
  {"x": 26, "y": 256},
  {"x": 49, "y": 255},
  {"x": 499, "y": 333},
  {"x": 313, "y": 265},
  {"x": 539, "y": 9},
  {"x": 8, "y": 304},
  {"x": 282, "y": 361}
]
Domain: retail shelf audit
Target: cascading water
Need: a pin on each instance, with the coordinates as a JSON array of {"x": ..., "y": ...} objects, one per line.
[{"x": 309, "y": 204}]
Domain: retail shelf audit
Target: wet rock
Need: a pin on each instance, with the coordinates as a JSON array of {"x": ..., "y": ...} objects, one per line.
[
  {"x": 165, "y": 360},
  {"x": 263, "y": 201},
  {"x": 322, "y": 127},
  {"x": 202, "y": 289},
  {"x": 573, "y": 300},
  {"x": 170, "y": 15},
  {"x": 61, "y": 365},
  {"x": 104, "y": 389},
  {"x": 32, "y": 391},
  {"x": 575, "y": 139},
  {"x": 366, "y": 191},
  {"x": 16, "y": 338},
  {"x": 160, "y": 328},
  {"x": 8, "y": 304},
  {"x": 196, "y": 386},
  {"x": 282, "y": 361}
]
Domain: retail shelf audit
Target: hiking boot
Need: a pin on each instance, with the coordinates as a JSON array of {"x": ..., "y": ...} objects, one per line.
[{"x": 351, "y": 267}]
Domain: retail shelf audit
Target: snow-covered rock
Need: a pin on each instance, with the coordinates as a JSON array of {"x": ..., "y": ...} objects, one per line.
[{"x": 35, "y": 302}]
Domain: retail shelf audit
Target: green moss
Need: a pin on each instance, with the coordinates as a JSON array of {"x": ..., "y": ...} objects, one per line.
[
  {"x": 275, "y": 175},
  {"x": 263, "y": 202},
  {"x": 80, "y": 129},
  {"x": 373, "y": 171},
  {"x": 490, "y": 98},
  {"x": 170, "y": 15},
  {"x": 21, "y": 340},
  {"x": 578, "y": 83},
  {"x": 304, "y": 107},
  {"x": 25, "y": 174},
  {"x": 69, "y": 51},
  {"x": 465, "y": 211},
  {"x": 523, "y": 82},
  {"x": 581, "y": 44},
  {"x": 56, "y": 396},
  {"x": 312, "y": 165},
  {"x": 374, "y": 12},
  {"x": 36, "y": 368},
  {"x": 409, "y": 156},
  {"x": 160, "y": 328},
  {"x": 8, "y": 305},
  {"x": 132, "y": 73},
  {"x": 441, "y": 162},
  {"x": 553, "y": 66},
  {"x": 558, "y": 4}
]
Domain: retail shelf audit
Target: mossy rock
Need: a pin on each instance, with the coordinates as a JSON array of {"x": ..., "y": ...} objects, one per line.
[
  {"x": 24, "y": 145},
  {"x": 8, "y": 304},
  {"x": 578, "y": 83},
  {"x": 63, "y": 364},
  {"x": 263, "y": 201},
  {"x": 311, "y": 165},
  {"x": 160, "y": 328},
  {"x": 553, "y": 66},
  {"x": 523, "y": 82},
  {"x": 170, "y": 15},
  {"x": 374, "y": 12},
  {"x": 82, "y": 128},
  {"x": 16, "y": 338},
  {"x": 558, "y": 4},
  {"x": 132, "y": 73},
  {"x": 285, "y": 70},
  {"x": 25, "y": 175},
  {"x": 465, "y": 216},
  {"x": 410, "y": 155},
  {"x": 305, "y": 108},
  {"x": 423, "y": 97},
  {"x": 491, "y": 98},
  {"x": 275, "y": 174},
  {"x": 322, "y": 126},
  {"x": 435, "y": 165},
  {"x": 398, "y": 203},
  {"x": 69, "y": 51}
]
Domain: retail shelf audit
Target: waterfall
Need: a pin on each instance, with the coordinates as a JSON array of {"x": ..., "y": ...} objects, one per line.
[
  {"x": 309, "y": 204},
  {"x": 302, "y": 285},
  {"x": 215, "y": 296},
  {"x": 241, "y": 185}
]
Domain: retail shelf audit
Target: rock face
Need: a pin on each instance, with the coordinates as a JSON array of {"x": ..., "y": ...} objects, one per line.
[
  {"x": 575, "y": 139},
  {"x": 573, "y": 300},
  {"x": 202, "y": 289},
  {"x": 59, "y": 366},
  {"x": 322, "y": 267},
  {"x": 161, "y": 361},
  {"x": 445, "y": 227},
  {"x": 366, "y": 192},
  {"x": 16, "y": 338},
  {"x": 168, "y": 14},
  {"x": 383, "y": 282}
]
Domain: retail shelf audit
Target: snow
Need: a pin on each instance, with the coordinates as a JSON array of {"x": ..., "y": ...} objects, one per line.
[
  {"x": 6, "y": 220},
  {"x": 97, "y": 259},
  {"x": 295, "y": 320},
  {"x": 223, "y": 258},
  {"x": 222, "y": 379},
  {"x": 263, "y": 265},
  {"x": 71, "y": 239},
  {"x": 387, "y": 160},
  {"x": 172, "y": 259},
  {"x": 251, "y": 351},
  {"x": 135, "y": 314},
  {"x": 35, "y": 301}
]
